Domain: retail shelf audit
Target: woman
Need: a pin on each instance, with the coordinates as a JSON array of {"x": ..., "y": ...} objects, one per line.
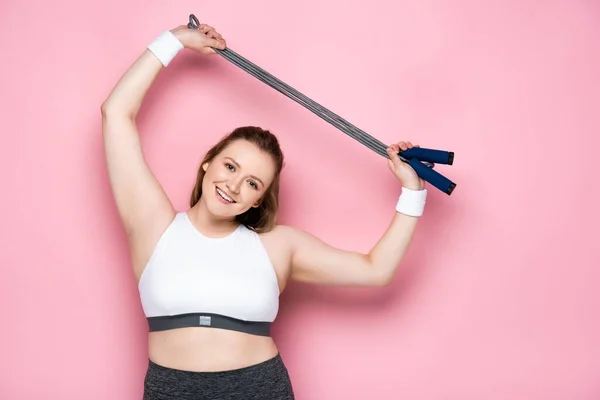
[{"x": 210, "y": 277}]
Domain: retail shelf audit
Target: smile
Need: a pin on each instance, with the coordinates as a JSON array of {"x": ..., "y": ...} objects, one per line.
[{"x": 224, "y": 196}]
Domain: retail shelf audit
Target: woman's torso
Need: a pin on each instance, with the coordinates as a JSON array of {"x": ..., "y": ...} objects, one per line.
[{"x": 240, "y": 275}]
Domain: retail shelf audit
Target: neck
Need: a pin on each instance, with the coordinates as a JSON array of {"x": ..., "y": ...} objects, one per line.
[{"x": 209, "y": 224}]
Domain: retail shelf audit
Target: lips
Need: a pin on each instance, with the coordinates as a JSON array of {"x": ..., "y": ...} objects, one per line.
[{"x": 224, "y": 196}]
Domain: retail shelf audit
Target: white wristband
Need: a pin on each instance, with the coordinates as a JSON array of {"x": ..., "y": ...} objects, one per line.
[
  {"x": 165, "y": 47},
  {"x": 412, "y": 202}
]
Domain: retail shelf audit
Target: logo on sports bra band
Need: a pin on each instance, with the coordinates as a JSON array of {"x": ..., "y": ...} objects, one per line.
[{"x": 204, "y": 321}]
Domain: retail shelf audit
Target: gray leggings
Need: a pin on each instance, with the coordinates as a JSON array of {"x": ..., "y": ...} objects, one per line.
[{"x": 268, "y": 380}]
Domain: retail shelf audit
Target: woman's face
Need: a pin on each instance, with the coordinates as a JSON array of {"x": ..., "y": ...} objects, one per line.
[{"x": 237, "y": 179}]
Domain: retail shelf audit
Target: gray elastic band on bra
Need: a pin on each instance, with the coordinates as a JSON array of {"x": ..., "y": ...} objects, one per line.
[{"x": 163, "y": 323}]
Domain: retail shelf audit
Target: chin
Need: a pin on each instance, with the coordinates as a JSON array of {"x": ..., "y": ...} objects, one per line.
[{"x": 218, "y": 210}]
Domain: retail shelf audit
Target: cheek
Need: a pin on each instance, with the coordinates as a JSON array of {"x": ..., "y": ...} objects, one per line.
[
  {"x": 251, "y": 195},
  {"x": 208, "y": 181},
  {"x": 214, "y": 174}
]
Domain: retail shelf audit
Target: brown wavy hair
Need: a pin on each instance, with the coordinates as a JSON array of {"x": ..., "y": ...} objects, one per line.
[{"x": 264, "y": 217}]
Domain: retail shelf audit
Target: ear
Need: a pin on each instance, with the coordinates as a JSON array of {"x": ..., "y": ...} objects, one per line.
[
  {"x": 258, "y": 202},
  {"x": 205, "y": 166}
]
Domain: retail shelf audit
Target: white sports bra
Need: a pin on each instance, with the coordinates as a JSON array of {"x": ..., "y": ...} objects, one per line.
[{"x": 194, "y": 280}]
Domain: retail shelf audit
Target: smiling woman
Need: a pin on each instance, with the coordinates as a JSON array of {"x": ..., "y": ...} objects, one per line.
[
  {"x": 243, "y": 171},
  {"x": 210, "y": 277}
]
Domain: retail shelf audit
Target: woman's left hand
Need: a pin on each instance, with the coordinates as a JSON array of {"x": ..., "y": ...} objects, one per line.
[{"x": 403, "y": 171}]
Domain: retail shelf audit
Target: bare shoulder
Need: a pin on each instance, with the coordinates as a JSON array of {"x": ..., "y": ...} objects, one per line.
[
  {"x": 285, "y": 237},
  {"x": 277, "y": 240},
  {"x": 279, "y": 232},
  {"x": 291, "y": 236}
]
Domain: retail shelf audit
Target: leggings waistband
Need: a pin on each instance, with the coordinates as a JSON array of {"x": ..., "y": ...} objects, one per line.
[{"x": 267, "y": 380}]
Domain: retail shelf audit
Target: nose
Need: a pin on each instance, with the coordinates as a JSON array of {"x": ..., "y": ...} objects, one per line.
[{"x": 233, "y": 185}]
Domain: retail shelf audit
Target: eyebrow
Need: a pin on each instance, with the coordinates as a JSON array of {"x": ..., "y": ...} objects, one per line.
[{"x": 238, "y": 165}]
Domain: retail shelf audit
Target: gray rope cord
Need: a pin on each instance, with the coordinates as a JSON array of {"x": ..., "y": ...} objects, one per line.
[
  {"x": 327, "y": 115},
  {"x": 309, "y": 104}
]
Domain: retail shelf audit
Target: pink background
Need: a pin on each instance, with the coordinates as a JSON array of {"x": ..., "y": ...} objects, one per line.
[{"x": 497, "y": 298}]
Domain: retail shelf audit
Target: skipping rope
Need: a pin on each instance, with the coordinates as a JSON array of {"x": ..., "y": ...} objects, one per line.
[{"x": 422, "y": 160}]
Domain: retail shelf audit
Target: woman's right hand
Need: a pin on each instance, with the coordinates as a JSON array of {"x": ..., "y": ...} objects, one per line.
[{"x": 204, "y": 39}]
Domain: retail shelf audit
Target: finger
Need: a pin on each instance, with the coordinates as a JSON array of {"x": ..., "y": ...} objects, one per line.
[
  {"x": 205, "y": 28},
  {"x": 393, "y": 154},
  {"x": 217, "y": 44},
  {"x": 409, "y": 145},
  {"x": 214, "y": 34},
  {"x": 403, "y": 145},
  {"x": 390, "y": 164},
  {"x": 217, "y": 36}
]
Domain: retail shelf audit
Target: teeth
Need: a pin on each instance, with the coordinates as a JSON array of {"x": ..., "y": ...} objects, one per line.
[{"x": 223, "y": 195}]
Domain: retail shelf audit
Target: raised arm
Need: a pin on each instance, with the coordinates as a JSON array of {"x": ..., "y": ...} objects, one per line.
[
  {"x": 142, "y": 204},
  {"x": 314, "y": 261}
]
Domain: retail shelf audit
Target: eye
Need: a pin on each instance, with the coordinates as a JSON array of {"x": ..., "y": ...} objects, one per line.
[
  {"x": 254, "y": 185},
  {"x": 229, "y": 167}
]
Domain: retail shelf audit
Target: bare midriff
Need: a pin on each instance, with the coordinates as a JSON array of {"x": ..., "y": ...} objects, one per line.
[{"x": 203, "y": 349}]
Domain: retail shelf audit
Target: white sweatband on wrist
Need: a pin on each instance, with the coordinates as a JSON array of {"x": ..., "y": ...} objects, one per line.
[
  {"x": 165, "y": 47},
  {"x": 412, "y": 202}
]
